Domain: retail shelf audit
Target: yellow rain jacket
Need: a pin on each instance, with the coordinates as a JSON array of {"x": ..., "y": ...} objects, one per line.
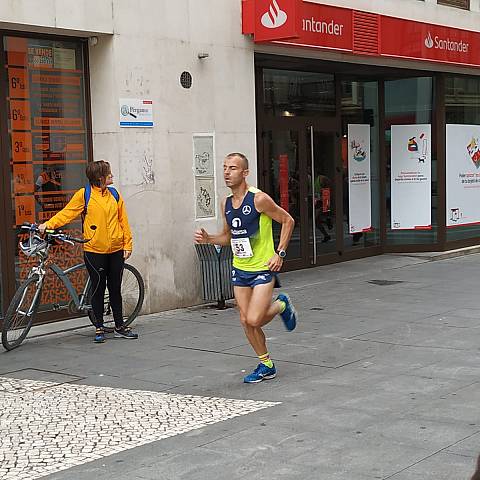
[{"x": 110, "y": 217}]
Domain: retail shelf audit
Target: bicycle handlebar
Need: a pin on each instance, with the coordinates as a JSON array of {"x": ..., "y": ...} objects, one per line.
[{"x": 55, "y": 234}]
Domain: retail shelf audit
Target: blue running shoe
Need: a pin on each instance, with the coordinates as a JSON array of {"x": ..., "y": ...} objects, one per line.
[
  {"x": 262, "y": 372},
  {"x": 289, "y": 315},
  {"x": 125, "y": 332},
  {"x": 99, "y": 335}
]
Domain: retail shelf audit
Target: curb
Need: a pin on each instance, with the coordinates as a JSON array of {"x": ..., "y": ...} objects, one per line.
[{"x": 435, "y": 256}]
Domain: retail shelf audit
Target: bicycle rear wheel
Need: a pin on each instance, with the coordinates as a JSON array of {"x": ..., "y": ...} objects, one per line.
[
  {"x": 133, "y": 293},
  {"x": 21, "y": 311}
]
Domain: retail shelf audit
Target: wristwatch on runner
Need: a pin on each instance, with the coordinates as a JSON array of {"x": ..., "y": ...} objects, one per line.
[{"x": 282, "y": 253}]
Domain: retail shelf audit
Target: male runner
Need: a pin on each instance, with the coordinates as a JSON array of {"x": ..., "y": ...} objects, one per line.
[{"x": 247, "y": 215}]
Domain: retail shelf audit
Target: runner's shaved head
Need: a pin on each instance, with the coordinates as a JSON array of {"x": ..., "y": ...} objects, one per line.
[{"x": 241, "y": 156}]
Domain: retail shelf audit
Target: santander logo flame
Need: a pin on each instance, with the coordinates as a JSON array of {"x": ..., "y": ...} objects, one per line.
[
  {"x": 274, "y": 17},
  {"x": 429, "y": 41}
]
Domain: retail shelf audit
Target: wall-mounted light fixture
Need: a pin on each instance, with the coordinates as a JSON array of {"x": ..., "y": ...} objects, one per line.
[
  {"x": 92, "y": 41},
  {"x": 202, "y": 55}
]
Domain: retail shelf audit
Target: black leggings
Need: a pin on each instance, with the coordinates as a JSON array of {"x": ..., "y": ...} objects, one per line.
[{"x": 106, "y": 270}]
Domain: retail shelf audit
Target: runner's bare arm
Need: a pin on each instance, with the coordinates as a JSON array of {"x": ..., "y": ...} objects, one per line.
[
  {"x": 221, "y": 238},
  {"x": 265, "y": 204}
]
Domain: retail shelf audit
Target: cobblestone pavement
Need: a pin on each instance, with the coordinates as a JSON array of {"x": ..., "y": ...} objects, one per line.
[{"x": 47, "y": 427}]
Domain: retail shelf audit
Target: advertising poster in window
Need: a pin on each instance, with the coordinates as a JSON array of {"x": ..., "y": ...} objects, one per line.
[
  {"x": 359, "y": 180},
  {"x": 411, "y": 177},
  {"x": 463, "y": 175},
  {"x": 48, "y": 141}
]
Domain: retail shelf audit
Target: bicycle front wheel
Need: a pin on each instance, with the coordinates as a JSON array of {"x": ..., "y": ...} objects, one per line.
[
  {"x": 21, "y": 311},
  {"x": 133, "y": 294}
]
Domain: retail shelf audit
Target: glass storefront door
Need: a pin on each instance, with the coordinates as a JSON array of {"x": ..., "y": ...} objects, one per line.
[
  {"x": 302, "y": 179},
  {"x": 283, "y": 182},
  {"x": 304, "y": 119},
  {"x": 321, "y": 180}
]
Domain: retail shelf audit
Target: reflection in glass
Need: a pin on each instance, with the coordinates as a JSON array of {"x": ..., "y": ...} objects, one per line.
[
  {"x": 462, "y": 106},
  {"x": 360, "y": 106},
  {"x": 289, "y": 93},
  {"x": 323, "y": 187},
  {"x": 283, "y": 183},
  {"x": 409, "y": 101}
]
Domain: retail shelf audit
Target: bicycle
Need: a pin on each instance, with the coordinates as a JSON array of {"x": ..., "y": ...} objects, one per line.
[{"x": 26, "y": 301}]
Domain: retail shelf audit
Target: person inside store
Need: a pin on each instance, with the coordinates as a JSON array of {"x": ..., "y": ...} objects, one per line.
[
  {"x": 323, "y": 213},
  {"x": 105, "y": 224}
]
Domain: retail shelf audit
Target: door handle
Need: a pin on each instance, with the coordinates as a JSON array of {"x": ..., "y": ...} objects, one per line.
[{"x": 314, "y": 226}]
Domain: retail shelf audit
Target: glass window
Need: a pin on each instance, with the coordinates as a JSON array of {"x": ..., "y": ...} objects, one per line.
[
  {"x": 409, "y": 101},
  {"x": 284, "y": 181},
  {"x": 289, "y": 93},
  {"x": 462, "y": 106},
  {"x": 465, "y": 4},
  {"x": 48, "y": 137},
  {"x": 360, "y": 106}
]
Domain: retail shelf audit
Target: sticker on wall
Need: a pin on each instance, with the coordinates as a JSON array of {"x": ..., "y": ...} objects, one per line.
[
  {"x": 204, "y": 175},
  {"x": 205, "y": 197},
  {"x": 463, "y": 175},
  {"x": 411, "y": 179},
  {"x": 203, "y": 155},
  {"x": 135, "y": 112},
  {"x": 359, "y": 178}
]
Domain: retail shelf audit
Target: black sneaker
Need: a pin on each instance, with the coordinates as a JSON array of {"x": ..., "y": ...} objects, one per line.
[{"x": 126, "y": 332}]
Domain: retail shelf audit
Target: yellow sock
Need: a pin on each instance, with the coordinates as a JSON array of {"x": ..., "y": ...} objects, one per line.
[
  {"x": 283, "y": 306},
  {"x": 265, "y": 359}
]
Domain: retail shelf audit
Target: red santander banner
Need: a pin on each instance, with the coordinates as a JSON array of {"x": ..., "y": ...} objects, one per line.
[
  {"x": 325, "y": 27},
  {"x": 274, "y": 22},
  {"x": 313, "y": 25},
  {"x": 428, "y": 42}
]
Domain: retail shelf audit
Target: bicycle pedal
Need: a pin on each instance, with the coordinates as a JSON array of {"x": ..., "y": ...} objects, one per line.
[{"x": 56, "y": 306}]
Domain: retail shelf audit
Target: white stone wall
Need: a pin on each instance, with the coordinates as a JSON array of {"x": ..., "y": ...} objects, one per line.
[
  {"x": 152, "y": 45},
  {"x": 70, "y": 17}
]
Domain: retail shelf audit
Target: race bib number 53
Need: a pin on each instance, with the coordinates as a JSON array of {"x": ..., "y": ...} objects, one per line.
[{"x": 241, "y": 247}]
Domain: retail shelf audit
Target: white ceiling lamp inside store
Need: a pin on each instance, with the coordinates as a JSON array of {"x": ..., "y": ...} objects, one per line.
[{"x": 286, "y": 113}]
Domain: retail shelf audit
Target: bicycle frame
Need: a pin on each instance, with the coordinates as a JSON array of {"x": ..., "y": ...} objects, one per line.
[{"x": 63, "y": 275}]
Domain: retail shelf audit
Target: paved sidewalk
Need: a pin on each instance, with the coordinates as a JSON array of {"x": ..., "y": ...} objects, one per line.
[{"x": 380, "y": 380}]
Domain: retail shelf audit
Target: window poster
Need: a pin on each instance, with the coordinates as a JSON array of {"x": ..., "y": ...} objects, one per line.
[
  {"x": 48, "y": 139},
  {"x": 463, "y": 175},
  {"x": 359, "y": 179},
  {"x": 411, "y": 179}
]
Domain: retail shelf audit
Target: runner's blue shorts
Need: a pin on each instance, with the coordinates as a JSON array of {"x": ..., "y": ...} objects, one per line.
[{"x": 241, "y": 278}]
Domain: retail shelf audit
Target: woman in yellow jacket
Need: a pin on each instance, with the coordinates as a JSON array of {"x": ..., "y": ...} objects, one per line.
[{"x": 106, "y": 223}]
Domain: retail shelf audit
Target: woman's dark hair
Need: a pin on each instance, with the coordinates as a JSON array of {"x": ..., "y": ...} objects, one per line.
[{"x": 96, "y": 171}]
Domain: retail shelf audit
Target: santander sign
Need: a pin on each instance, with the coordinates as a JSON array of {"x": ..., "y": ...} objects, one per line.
[
  {"x": 275, "y": 17},
  {"x": 446, "y": 44},
  {"x": 309, "y": 24}
]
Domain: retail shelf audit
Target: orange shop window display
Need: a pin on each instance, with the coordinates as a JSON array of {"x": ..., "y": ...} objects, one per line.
[{"x": 49, "y": 141}]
